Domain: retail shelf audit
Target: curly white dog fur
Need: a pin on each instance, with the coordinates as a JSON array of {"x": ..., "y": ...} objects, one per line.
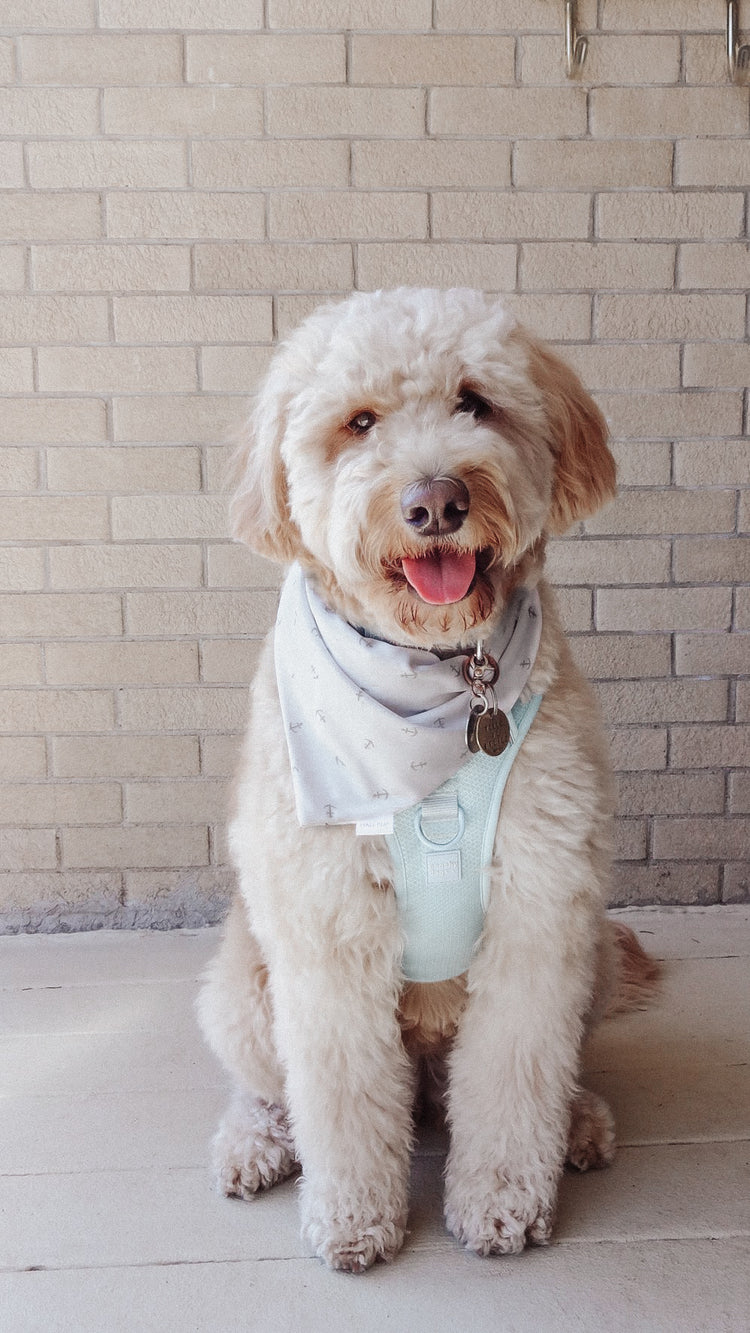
[{"x": 398, "y": 428}]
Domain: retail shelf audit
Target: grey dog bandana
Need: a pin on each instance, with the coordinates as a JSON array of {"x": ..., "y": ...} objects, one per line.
[{"x": 372, "y": 727}]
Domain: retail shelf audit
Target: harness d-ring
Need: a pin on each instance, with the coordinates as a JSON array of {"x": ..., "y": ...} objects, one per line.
[{"x": 430, "y": 843}]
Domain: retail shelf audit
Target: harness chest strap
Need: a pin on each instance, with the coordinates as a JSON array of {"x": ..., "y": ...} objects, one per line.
[{"x": 442, "y": 850}]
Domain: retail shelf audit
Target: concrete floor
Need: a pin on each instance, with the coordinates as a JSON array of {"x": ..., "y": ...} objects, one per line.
[{"x": 108, "y": 1222}]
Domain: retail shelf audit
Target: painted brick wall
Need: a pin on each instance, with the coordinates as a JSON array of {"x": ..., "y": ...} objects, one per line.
[{"x": 173, "y": 197}]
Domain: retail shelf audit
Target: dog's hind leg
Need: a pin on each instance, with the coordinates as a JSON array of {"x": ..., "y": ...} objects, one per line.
[
  {"x": 253, "y": 1147},
  {"x": 591, "y": 1133}
]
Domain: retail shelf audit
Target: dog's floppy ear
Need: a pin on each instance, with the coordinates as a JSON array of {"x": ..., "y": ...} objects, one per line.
[
  {"x": 259, "y": 508},
  {"x": 584, "y": 466}
]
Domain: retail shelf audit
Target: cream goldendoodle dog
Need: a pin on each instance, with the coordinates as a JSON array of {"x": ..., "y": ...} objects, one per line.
[{"x": 409, "y": 453}]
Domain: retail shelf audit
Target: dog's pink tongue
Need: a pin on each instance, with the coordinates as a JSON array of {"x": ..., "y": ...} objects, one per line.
[{"x": 442, "y": 577}]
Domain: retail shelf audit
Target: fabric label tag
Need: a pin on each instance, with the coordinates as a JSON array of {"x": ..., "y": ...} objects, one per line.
[{"x": 373, "y": 827}]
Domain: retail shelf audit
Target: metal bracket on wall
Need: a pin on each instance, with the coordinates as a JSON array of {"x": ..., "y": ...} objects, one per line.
[
  {"x": 738, "y": 56},
  {"x": 575, "y": 46}
]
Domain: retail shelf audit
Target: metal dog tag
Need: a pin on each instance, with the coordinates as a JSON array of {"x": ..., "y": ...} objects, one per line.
[
  {"x": 487, "y": 729},
  {"x": 489, "y": 732},
  {"x": 477, "y": 710},
  {"x": 492, "y": 732}
]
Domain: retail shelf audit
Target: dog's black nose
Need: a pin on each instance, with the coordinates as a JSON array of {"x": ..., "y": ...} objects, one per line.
[{"x": 434, "y": 507}]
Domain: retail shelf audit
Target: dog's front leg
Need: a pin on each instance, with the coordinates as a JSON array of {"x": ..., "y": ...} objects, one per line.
[
  {"x": 513, "y": 1073},
  {"x": 349, "y": 1081}
]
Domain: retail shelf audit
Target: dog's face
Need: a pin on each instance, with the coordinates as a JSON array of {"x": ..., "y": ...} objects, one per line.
[{"x": 412, "y": 448}]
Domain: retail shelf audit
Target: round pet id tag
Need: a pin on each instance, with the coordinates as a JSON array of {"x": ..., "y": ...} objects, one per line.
[{"x": 492, "y": 732}]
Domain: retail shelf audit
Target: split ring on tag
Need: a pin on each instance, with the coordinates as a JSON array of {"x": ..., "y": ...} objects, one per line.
[{"x": 483, "y": 670}]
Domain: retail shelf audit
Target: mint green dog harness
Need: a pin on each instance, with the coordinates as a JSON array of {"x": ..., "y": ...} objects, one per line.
[{"x": 442, "y": 851}]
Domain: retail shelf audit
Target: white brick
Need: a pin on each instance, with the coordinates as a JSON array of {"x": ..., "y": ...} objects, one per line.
[
  {"x": 21, "y": 664},
  {"x": 139, "y": 565},
  {"x": 513, "y": 113},
  {"x": 266, "y": 59},
  {"x": 231, "y": 565},
  {"x": 438, "y": 163},
  {"x": 110, "y": 268},
  {"x": 573, "y": 266},
  {"x": 60, "y": 615},
  {"x": 203, "y": 707},
  {"x": 181, "y": 319},
  {"x": 214, "y": 612},
  {"x": 659, "y": 701},
  {"x": 402, "y": 14},
  {"x": 189, "y": 801},
  {"x": 331, "y": 112},
  {"x": 121, "y": 756},
  {"x": 19, "y": 469},
  {"x": 432, "y": 59},
  {"x": 113, "y": 468},
  {"x": 157, "y": 517},
  {"x": 718, "y": 365},
  {"x": 48, "y": 111},
  {"x": 49, "y": 14},
  {"x": 122, "y": 663},
  {"x": 52, "y": 420},
  {"x": 187, "y": 418},
  {"x": 117, "y": 369},
  {"x": 38, "y": 216},
  {"x": 233, "y": 369},
  {"x": 589, "y": 164},
  {"x": 659, "y": 16},
  {"x": 270, "y": 163},
  {"x": 665, "y": 112},
  {"x": 107, "y": 164},
  {"x": 11, "y": 166},
  {"x": 487, "y": 215},
  {"x": 134, "y": 845},
  {"x": 12, "y": 268},
  {"x": 21, "y": 567},
  {"x": 54, "y": 710},
  {"x": 291, "y": 267},
  {"x": 22, "y": 756},
  {"x": 185, "y": 215},
  {"x": 166, "y": 112},
  {"x": 663, "y": 608},
  {"x": 27, "y": 849},
  {"x": 439, "y": 264},
  {"x": 660, "y": 215},
  {"x": 229, "y": 661},
  {"x": 56, "y": 518},
  {"x": 7, "y": 60},
  {"x": 60, "y": 803},
  {"x": 16, "y": 369},
  {"x": 510, "y": 16},
  {"x": 181, "y": 14},
  {"x": 313, "y": 215},
  {"x": 53, "y": 319}
]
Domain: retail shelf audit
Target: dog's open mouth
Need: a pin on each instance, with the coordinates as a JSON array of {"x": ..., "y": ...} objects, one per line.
[{"x": 441, "y": 576}]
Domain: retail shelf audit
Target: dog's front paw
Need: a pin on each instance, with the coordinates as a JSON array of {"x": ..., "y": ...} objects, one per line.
[
  {"x": 591, "y": 1137},
  {"x": 253, "y": 1148},
  {"x": 354, "y": 1247},
  {"x": 351, "y": 1238},
  {"x": 503, "y": 1221}
]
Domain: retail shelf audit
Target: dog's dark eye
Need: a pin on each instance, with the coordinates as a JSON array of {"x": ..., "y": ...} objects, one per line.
[
  {"x": 474, "y": 404},
  {"x": 361, "y": 422}
]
